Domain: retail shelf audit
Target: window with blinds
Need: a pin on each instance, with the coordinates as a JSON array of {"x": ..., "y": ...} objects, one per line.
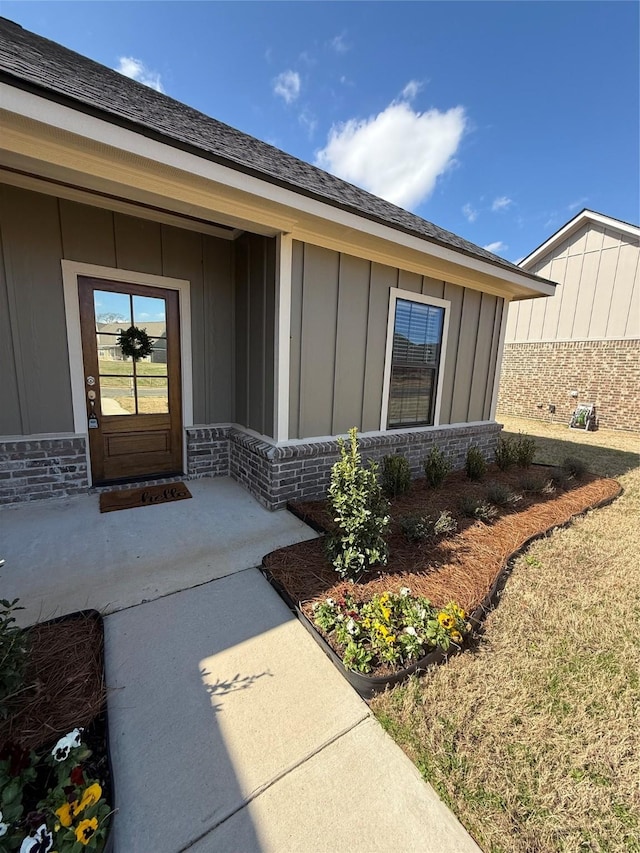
[{"x": 415, "y": 361}]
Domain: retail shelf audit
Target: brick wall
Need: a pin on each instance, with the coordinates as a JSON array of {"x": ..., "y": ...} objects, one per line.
[
  {"x": 37, "y": 468},
  {"x": 276, "y": 474},
  {"x": 606, "y": 373},
  {"x": 32, "y": 469},
  {"x": 207, "y": 452}
]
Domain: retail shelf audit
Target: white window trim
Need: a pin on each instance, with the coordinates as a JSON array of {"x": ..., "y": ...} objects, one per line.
[
  {"x": 408, "y": 295},
  {"x": 70, "y": 272}
]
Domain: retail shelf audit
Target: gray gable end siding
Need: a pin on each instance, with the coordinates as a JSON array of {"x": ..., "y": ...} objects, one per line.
[{"x": 50, "y": 70}]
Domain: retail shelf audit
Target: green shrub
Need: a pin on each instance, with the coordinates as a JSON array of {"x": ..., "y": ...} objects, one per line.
[
  {"x": 436, "y": 467},
  {"x": 561, "y": 479},
  {"x": 418, "y": 528},
  {"x": 574, "y": 467},
  {"x": 477, "y": 508},
  {"x": 445, "y": 524},
  {"x": 360, "y": 511},
  {"x": 13, "y": 655},
  {"x": 396, "y": 475},
  {"x": 475, "y": 464},
  {"x": 534, "y": 484},
  {"x": 505, "y": 453},
  {"x": 524, "y": 450},
  {"x": 501, "y": 495}
]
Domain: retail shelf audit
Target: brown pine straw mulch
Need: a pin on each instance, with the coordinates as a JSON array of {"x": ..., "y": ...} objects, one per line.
[
  {"x": 462, "y": 567},
  {"x": 64, "y": 682}
]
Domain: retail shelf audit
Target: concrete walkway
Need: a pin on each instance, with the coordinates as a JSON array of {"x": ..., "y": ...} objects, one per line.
[
  {"x": 230, "y": 730},
  {"x": 63, "y": 555}
]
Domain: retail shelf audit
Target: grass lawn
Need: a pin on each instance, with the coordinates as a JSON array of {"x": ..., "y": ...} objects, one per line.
[{"x": 533, "y": 739}]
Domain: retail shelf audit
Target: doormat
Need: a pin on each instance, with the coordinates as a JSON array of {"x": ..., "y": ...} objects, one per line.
[{"x": 145, "y": 496}]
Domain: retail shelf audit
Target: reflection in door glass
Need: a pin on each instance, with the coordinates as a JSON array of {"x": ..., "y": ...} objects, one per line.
[
  {"x": 153, "y": 395},
  {"x": 149, "y": 312},
  {"x": 113, "y": 311},
  {"x": 117, "y": 395}
]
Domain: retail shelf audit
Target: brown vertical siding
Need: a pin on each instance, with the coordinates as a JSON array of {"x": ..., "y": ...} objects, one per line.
[
  {"x": 255, "y": 325},
  {"x": 339, "y": 315},
  {"x": 32, "y": 249},
  {"x": 36, "y": 232}
]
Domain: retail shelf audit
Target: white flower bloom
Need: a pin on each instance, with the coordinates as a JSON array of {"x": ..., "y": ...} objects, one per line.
[
  {"x": 64, "y": 746},
  {"x": 42, "y": 841},
  {"x": 330, "y": 602},
  {"x": 410, "y": 630},
  {"x": 351, "y": 626},
  {"x": 405, "y": 591}
]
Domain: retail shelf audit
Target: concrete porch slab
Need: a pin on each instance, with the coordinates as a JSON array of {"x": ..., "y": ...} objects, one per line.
[
  {"x": 215, "y": 693},
  {"x": 63, "y": 555},
  {"x": 360, "y": 793}
]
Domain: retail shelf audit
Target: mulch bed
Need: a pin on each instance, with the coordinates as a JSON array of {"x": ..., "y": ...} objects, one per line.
[
  {"x": 64, "y": 689},
  {"x": 64, "y": 682},
  {"x": 463, "y": 567}
]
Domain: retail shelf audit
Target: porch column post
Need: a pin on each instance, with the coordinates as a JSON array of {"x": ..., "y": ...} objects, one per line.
[
  {"x": 284, "y": 256},
  {"x": 496, "y": 378}
]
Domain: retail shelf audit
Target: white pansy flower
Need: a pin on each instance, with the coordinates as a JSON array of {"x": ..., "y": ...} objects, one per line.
[
  {"x": 410, "y": 630},
  {"x": 330, "y": 602},
  {"x": 64, "y": 746},
  {"x": 42, "y": 841},
  {"x": 351, "y": 626},
  {"x": 405, "y": 591}
]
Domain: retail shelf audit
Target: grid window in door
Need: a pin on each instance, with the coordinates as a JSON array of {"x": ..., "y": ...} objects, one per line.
[
  {"x": 130, "y": 387},
  {"x": 415, "y": 362}
]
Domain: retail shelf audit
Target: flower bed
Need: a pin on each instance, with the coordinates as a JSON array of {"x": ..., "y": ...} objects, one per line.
[
  {"x": 55, "y": 779},
  {"x": 467, "y": 566}
]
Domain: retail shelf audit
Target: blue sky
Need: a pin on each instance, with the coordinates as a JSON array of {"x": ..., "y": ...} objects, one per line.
[{"x": 496, "y": 120}]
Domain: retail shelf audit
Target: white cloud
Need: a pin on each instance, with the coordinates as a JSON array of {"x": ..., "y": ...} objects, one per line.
[
  {"x": 501, "y": 203},
  {"x": 308, "y": 121},
  {"x": 137, "y": 70},
  {"x": 411, "y": 90},
  {"x": 397, "y": 154},
  {"x": 469, "y": 212},
  {"x": 578, "y": 203},
  {"x": 496, "y": 247},
  {"x": 339, "y": 44},
  {"x": 287, "y": 85}
]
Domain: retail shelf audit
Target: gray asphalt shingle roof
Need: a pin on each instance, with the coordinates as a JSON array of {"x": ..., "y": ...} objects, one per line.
[{"x": 53, "y": 71}]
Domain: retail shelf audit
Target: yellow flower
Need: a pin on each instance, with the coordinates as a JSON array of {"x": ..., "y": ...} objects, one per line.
[
  {"x": 456, "y": 636},
  {"x": 385, "y": 612},
  {"x": 391, "y": 639},
  {"x": 86, "y": 830},
  {"x": 460, "y": 612},
  {"x": 445, "y": 620},
  {"x": 66, "y": 813},
  {"x": 89, "y": 798}
]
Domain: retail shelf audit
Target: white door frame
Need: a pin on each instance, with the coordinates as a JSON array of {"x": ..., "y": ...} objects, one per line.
[{"x": 70, "y": 272}]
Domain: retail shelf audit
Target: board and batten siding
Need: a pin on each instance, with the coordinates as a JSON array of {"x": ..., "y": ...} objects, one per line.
[
  {"x": 36, "y": 232},
  {"x": 339, "y": 314},
  {"x": 598, "y": 294},
  {"x": 255, "y": 325}
]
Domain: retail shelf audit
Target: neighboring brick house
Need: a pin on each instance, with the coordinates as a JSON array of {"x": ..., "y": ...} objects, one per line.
[
  {"x": 289, "y": 305},
  {"x": 581, "y": 345}
]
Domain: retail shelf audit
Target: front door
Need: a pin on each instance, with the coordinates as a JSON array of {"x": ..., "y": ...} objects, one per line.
[{"x": 134, "y": 406}]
